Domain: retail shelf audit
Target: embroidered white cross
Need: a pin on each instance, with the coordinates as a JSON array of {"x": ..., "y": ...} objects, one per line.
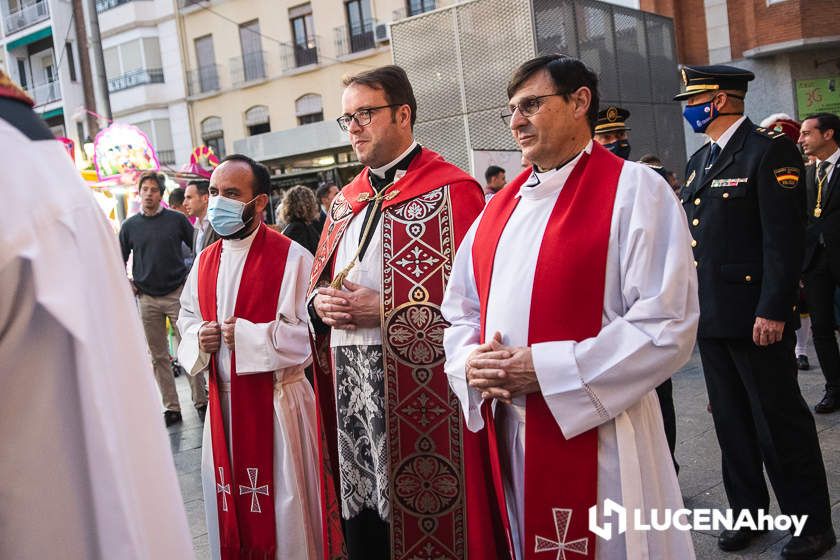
[
  {"x": 222, "y": 488},
  {"x": 562, "y": 518},
  {"x": 254, "y": 490}
]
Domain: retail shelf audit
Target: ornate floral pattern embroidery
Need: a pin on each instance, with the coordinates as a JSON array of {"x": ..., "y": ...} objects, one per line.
[
  {"x": 426, "y": 485},
  {"x": 362, "y": 446}
]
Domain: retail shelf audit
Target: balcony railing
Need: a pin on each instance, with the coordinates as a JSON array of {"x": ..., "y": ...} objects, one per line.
[
  {"x": 249, "y": 67},
  {"x": 26, "y": 16},
  {"x": 105, "y": 5},
  {"x": 135, "y": 78},
  {"x": 204, "y": 79},
  {"x": 166, "y": 156},
  {"x": 46, "y": 93},
  {"x": 297, "y": 56},
  {"x": 352, "y": 39}
]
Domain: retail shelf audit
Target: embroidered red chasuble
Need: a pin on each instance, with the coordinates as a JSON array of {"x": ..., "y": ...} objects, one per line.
[
  {"x": 424, "y": 217},
  {"x": 566, "y": 304},
  {"x": 245, "y": 486}
]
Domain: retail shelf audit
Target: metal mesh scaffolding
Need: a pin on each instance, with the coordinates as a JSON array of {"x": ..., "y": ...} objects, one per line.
[{"x": 460, "y": 58}]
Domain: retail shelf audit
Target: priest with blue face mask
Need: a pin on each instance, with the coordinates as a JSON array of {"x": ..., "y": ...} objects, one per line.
[
  {"x": 744, "y": 200},
  {"x": 244, "y": 320}
]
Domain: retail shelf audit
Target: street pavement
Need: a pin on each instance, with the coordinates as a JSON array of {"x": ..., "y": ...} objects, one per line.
[{"x": 697, "y": 452}]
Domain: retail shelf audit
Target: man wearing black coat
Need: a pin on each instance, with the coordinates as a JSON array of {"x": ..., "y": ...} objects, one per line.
[
  {"x": 819, "y": 137},
  {"x": 744, "y": 203}
]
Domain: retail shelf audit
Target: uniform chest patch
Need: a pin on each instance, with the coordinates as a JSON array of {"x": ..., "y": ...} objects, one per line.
[
  {"x": 691, "y": 178},
  {"x": 787, "y": 177},
  {"x": 718, "y": 183}
]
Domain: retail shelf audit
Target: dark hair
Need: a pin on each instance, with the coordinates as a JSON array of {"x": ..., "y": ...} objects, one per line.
[
  {"x": 827, "y": 121},
  {"x": 262, "y": 178},
  {"x": 176, "y": 197},
  {"x": 158, "y": 178},
  {"x": 650, "y": 159},
  {"x": 568, "y": 74},
  {"x": 324, "y": 190},
  {"x": 492, "y": 171},
  {"x": 393, "y": 81},
  {"x": 203, "y": 187}
]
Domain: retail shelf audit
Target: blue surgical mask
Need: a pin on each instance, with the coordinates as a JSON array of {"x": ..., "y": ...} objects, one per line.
[
  {"x": 225, "y": 215},
  {"x": 699, "y": 116}
]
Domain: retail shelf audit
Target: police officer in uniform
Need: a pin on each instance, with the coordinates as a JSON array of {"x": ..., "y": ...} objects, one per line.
[
  {"x": 745, "y": 206},
  {"x": 611, "y": 132}
]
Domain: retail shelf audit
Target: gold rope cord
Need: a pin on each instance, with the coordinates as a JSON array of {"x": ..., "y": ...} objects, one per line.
[{"x": 338, "y": 281}]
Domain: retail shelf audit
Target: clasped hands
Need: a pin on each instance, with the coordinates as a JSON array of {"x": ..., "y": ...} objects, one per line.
[
  {"x": 211, "y": 334},
  {"x": 501, "y": 372},
  {"x": 349, "y": 309}
]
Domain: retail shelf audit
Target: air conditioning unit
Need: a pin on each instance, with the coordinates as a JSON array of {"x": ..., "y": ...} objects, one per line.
[{"x": 382, "y": 33}]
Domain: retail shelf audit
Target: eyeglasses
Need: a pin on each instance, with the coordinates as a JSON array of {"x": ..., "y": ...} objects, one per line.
[
  {"x": 362, "y": 116},
  {"x": 528, "y": 107}
]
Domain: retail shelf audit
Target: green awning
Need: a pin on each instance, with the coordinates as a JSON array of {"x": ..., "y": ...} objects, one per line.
[
  {"x": 53, "y": 113},
  {"x": 31, "y": 38}
]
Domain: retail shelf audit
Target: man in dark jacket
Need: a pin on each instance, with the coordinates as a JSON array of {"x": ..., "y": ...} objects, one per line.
[
  {"x": 743, "y": 199},
  {"x": 154, "y": 237},
  {"x": 819, "y": 136}
]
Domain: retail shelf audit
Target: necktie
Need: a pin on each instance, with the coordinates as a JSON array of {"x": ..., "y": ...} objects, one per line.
[
  {"x": 822, "y": 173},
  {"x": 714, "y": 152}
]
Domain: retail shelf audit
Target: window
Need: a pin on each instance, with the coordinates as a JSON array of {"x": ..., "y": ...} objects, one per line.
[
  {"x": 359, "y": 24},
  {"x": 303, "y": 34},
  {"x": 71, "y": 61},
  {"x": 160, "y": 134},
  {"x": 253, "y": 65},
  {"x": 420, "y": 6},
  {"x": 205, "y": 56},
  {"x": 21, "y": 64},
  {"x": 309, "y": 109},
  {"x": 133, "y": 63},
  {"x": 213, "y": 135},
  {"x": 256, "y": 120}
]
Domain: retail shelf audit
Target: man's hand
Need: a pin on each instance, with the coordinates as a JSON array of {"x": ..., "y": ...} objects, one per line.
[
  {"x": 767, "y": 331},
  {"x": 502, "y": 372},
  {"x": 228, "y": 332},
  {"x": 209, "y": 337},
  {"x": 333, "y": 309},
  {"x": 353, "y": 307}
]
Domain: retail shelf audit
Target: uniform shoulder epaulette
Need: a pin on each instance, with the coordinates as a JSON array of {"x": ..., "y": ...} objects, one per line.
[{"x": 761, "y": 131}]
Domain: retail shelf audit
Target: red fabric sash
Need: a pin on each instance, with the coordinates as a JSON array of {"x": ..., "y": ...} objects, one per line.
[
  {"x": 424, "y": 424},
  {"x": 560, "y": 474},
  {"x": 245, "y": 496}
]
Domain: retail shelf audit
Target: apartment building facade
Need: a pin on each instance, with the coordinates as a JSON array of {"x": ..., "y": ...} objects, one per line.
[
  {"x": 40, "y": 52},
  {"x": 264, "y": 77},
  {"x": 145, "y": 73}
]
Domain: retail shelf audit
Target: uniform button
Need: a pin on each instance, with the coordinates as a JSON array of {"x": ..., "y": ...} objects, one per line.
[
  {"x": 748, "y": 278},
  {"x": 726, "y": 195},
  {"x": 695, "y": 222},
  {"x": 694, "y": 243},
  {"x": 696, "y": 202},
  {"x": 695, "y": 264},
  {"x": 794, "y": 308}
]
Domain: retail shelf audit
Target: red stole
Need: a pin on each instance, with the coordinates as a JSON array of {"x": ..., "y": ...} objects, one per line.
[
  {"x": 245, "y": 489},
  {"x": 566, "y": 304},
  {"x": 422, "y": 224}
]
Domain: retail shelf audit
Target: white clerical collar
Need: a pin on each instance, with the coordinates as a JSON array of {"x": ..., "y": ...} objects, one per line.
[
  {"x": 543, "y": 184},
  {"x": 380, "y": 171},
  {"x": 724, "y": 138},
  {"x": 240, "y": 244}
]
